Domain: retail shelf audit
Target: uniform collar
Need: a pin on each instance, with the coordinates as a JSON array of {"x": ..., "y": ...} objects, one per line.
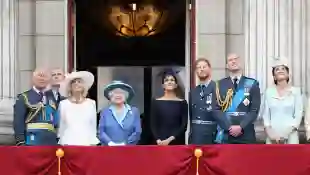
[
  {"x": 37, "y": 90},
  {"x": 205, "y": 83},
  {"x": 236, "y": 76}
]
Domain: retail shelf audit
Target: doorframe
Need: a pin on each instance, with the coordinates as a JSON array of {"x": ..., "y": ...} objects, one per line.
[{"x": 190, "y": 41}]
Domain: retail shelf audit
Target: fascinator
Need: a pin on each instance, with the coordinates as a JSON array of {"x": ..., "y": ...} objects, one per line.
[
  {"x": 168, "y": 72},
  {"x": 121, "y": 85},
  {"x": 279, "y": 61}
]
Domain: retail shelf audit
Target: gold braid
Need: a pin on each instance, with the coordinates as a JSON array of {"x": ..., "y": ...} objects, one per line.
[
  {"x": 34, "y": 109},
  {"x": 224, "y": 104}
]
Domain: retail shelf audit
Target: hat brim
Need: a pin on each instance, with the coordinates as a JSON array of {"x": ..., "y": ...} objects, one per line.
[
  {"x": 122, "y": 86},
  {"x": 87, "y": 77}
]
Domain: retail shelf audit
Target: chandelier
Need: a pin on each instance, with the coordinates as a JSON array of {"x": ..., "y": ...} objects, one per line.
[{"x": 145, "y": 20}]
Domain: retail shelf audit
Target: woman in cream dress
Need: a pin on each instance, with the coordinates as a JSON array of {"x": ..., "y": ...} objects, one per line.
[
  {"x": 78, "y": 114},
  {"x": 283, "y": 107}
]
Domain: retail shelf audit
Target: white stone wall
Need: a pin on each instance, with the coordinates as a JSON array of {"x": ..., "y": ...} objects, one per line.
[
  {"x": 220, "y": 30},
  {"x": 278, "y": 28}
]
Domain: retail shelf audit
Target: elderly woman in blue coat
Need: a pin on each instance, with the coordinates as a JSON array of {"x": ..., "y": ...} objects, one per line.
[{"x": 119, "y": 123}]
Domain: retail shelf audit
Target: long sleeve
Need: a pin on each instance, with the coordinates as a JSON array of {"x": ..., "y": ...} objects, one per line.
[
  {"x": 254, "y": 108},
  {"x": 104, "y": 138},
  {"x": 20, "y": 112},
  {"x": 298, "y": 112},
  {"x": 307, "y": 120},
  {"x": 218, "y": 114},
  {"x": 184, "y": 114},
  {"x": 153, "y": 120},
  {"x": 134, "y": 138},
  {"x": 93, "y": 124},
  {"x": 266, "y": 111},
  {"x": 62, "y": 123}
]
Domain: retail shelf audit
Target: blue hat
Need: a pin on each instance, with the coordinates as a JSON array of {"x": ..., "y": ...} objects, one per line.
[{"x": 119, "y": 84}]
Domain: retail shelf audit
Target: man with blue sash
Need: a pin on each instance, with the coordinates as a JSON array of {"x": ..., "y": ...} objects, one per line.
[
  {"x": 35, "y": 114},
  {"x": 239, "y": 97},
  {"x": 204, "y": 112}
]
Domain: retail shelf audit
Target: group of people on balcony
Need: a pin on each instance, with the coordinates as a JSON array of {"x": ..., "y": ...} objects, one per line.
[{"x": 56, "y": 110}]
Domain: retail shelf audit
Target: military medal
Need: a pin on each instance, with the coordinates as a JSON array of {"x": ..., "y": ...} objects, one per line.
[
  {"x": 32, "y": 137},
  {"x": 209, "y": 99},
  {"x": 246, "y": 91},
  {"x": 246, "y": 102}
]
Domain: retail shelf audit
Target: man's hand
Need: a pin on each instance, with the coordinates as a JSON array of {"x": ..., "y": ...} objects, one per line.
[
  {"x": 235, "y": 130},
  {"x": 158, "y": 141}
]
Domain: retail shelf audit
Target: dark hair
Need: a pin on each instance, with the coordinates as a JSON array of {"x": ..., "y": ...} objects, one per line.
[
  {"x": 168, "y": 75},
  {"x": 202, "y": 60},
  {"x": 274, "y": 72}
]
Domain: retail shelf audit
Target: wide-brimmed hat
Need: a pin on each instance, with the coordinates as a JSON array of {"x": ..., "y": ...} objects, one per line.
[
  {"x": 87, "y": 77},
  {"x": 121, "y": 85},
  {"x": 279, "y": 61}
]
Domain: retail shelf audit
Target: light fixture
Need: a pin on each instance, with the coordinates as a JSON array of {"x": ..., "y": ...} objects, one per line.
[{"x": 136, "y": 20}]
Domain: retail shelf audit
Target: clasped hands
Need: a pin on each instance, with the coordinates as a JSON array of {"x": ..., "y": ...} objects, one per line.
[
  {"x": 235, "y": 130},
  {"x": 166, "y": 141}
]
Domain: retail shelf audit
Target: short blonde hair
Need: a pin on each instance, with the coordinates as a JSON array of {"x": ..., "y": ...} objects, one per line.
[{"x": 69, "y": 90}]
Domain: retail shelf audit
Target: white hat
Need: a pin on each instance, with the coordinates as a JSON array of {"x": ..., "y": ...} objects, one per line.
[
  {"x": 279, "y": 61},
  {"x": 87, "y": 77}
]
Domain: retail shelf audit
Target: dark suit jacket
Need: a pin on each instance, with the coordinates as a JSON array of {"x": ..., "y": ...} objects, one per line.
[{"x": 251, "y": 108}]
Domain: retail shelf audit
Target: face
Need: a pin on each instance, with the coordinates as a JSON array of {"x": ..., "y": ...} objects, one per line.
[
  {"x": 41, "y": 79},
  {"x": 233, "y": 62},
  {"x": 169, "y": 83},
  {"x": 118, "y": 96},
  {"x": 77, "y": 85},
  {"x": 57, "y": 76},
  {"x": 280, "y": 73},
  {"x": 203, "y": 70}
]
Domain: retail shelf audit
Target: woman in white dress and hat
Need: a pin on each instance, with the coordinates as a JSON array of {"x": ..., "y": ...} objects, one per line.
[
  {"x": 119, "y": 122},
  {"x": 283, "y": 107},
  {"x": 78, "y": 114}
]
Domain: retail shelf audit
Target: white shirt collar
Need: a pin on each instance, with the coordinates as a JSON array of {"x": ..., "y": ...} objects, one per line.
[
  {"x": 37, "y": 90},
  {"x": 233, "y": 77}
]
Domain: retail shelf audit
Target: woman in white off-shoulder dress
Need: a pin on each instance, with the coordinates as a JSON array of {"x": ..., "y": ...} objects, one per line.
[{"x": 78, "y": 114}]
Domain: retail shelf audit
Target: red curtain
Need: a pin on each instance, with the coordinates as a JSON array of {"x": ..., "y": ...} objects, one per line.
[{"x": 158, "y": 160}]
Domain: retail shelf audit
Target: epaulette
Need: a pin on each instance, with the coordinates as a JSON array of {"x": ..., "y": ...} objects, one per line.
[{"x": 18, "y": 95}]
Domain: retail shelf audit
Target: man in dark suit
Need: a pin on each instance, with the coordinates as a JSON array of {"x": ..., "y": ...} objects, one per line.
[
  {"x": 57, "y": 78},
  {"x": 35, "y": 113},
  {"x": 204, "y": 112},
  {"x": 239, "y": 97}
]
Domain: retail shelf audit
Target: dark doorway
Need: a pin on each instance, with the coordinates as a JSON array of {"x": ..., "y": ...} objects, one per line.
[{"x": 98, "y": 46}]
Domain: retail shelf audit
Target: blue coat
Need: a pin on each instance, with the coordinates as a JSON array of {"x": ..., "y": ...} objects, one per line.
[
  {"x": 127, "y": 131},
  {"x": 34, "y": 122}
]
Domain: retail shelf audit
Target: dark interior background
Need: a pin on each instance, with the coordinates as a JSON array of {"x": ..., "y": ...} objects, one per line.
[{"x": 97, "y": 45}]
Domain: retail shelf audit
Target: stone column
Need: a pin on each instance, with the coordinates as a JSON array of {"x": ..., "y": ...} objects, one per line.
[
  {"x": 211, "y": 34},
  {"x": 50, "y": 36},
  {"x": 278, "y": 28},
  {"x": 7, "y": 68}
]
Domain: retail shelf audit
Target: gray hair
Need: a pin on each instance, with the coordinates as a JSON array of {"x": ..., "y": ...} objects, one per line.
[{"x": 126, "y": 94}]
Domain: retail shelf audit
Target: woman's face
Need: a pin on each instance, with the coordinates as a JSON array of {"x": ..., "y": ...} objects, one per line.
[
  {"x": 77, "y": 85},
  {"x": 280, "y": 73},
  {"x": 118, "y": 96},
  {"x": 169, "y": 83}
]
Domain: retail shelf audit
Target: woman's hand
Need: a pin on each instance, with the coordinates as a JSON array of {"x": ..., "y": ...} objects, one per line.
[{"x": 271, "y": 134}]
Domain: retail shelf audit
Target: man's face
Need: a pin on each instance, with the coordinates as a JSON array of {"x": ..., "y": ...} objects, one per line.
[
  {"x": 57, "y": 76},
  {"x": 203, "y": 70},
  {"x": 41, "y": 79},
  {"x": 233, "y": 63}
]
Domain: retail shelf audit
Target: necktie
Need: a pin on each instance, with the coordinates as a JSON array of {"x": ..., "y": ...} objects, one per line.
[
  {"x": 236, "y": 83},
  {"x": 202, "y": 90}
]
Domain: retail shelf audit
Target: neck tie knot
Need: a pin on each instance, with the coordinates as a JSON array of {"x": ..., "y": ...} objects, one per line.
[{"x": 235, "y": 83}]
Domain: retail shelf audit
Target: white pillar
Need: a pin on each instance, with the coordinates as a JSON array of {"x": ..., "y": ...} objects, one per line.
[
  {"x": 277, "y": 28},
  {"x": 7, "y": 67}
]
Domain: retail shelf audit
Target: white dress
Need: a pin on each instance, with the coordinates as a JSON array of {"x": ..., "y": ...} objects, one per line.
[{"x": 78, "y": 123}]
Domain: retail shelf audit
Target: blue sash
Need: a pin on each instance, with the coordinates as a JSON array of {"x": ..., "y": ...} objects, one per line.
[{"x": 236, "y": 101}]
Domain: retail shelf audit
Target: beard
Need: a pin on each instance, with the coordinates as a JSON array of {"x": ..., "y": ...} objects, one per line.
[{"x": 204, "y": 78}]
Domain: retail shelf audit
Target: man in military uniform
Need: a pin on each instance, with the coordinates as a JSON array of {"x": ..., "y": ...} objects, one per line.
[
  {"x": 35, "y": 114},
  {"x": 239, "y": 97},
  {"x": 57, "y": 79},
  {"x": 204, "y": 112}
]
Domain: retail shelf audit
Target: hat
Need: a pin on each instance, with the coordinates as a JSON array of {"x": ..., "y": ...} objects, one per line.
[
  {"x": 279, "y": 61},
  {"x": 121, "y": 85},
  {"x": 87, "y": 77}
]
